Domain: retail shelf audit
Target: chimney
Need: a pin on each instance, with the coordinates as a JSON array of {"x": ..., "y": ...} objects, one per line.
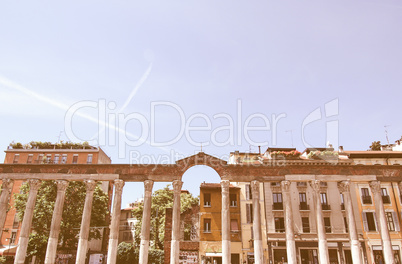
[
  {"x": 340, "y": 148},
  {"x": 259, "y": 150}
]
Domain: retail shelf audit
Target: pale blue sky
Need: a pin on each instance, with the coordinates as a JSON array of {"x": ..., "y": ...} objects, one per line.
[{"x": 288, "y": 57}]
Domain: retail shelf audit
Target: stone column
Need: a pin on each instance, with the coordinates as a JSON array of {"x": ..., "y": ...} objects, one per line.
[
  {"x": 85, "y": 223},
  {"x": 225, "y": 222},
  {"x": 6, "y": 189},
  {"x": 322, "y": 237},
  {"x": 146, "y": 222},
  {"x": 258, "y": 250},
  {"x": 382, "y": 222},
  {"x": 56, "y": 220},
  {"x": 344, "y": 188},
  {"x": 114, "y": 226},
  {"x": 34, "y": 185},
  {"x": 289, "y": 229},
  {"x": 175, "y": 244}
]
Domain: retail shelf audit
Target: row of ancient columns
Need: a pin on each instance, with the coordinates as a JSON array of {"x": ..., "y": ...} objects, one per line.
[{"x": 344, "y": 188}]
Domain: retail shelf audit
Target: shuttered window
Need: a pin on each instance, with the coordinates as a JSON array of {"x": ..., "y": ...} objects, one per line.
[
  {"x": 369, "y": 221},
  {"x": 249, "y": 213},
  {"x": 248, "y": 192}
]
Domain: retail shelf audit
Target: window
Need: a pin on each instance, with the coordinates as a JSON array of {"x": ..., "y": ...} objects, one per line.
[
  {"x": 16, "y": 222},
  {"x": 12, "y": 238},
  {"x": 56, "y": 159},
  {"x": 64, "y": 159},
  {"x": 234, "y": 227},
  {"x": 342, "y": 202},
  {"x": 48, "y": 158},
  {"x": 275, "y": 184},
  {"x": 207, "y": 225},
  {"x": 89, "y": 159},
  {"x": 40, "y": 158},
  {"x": 324, "y": 202},
  {"x": 75, "y": 159},
  {"x": 345, "y": 221},
  {"x": 279, "y": 224},
  {"x": 16, "y": 158},
  {"x": 301, "y": 184},
  {"x": 390, "y": 221},
  {"x": 369, "y": 221},
  {"x": 303, "y": 201},
  {"x": 249, "y": 196},
  {"x": 327, "y": 224},
  {"x": 207, "y": 200},
  {"x": 249, "y": 213},
  {"x": 233, "y": 200},
  {"x": 366, "y": 198},
  {"x": 30, "y": 158},
  {"x": 306, "y": 225},
  {"x": 385, "y": 196},
  {"x": 278, "y": 204}
]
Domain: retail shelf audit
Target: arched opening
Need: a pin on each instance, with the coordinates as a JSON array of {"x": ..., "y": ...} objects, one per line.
[{"x": 196, "y": 175}]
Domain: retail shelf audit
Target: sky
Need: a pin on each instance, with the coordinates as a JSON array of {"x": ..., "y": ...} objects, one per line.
[{"x": 152, "y": 81}]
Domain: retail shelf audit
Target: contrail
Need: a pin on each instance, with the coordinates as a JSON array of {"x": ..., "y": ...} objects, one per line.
[
  {"x": 128, "y": 100},
  {"x": 8, "y": 83}
]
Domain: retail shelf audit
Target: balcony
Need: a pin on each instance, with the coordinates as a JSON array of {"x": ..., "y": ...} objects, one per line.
[
  {"x": 366, "y": 200},
  {"x": 325, "y": 207},
  {"x": 304, "y": 206},
  {"x": 277, "y": 206},
  {"x": 386, "y": 199}
]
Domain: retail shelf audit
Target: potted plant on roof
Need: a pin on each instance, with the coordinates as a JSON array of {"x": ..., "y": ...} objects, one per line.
[
  {"x": 323, "y": 155},
  {"x": 287, "y": 155}
]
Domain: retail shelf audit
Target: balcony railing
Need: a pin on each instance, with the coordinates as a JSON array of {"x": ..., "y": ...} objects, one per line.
[
  {"x": 325, "y": 207},
  {"x": 366, "y": 199},
  {"x": 304, "y": 206},
  {"x": 277, "y": 206},
  {"x": 386, "y": 199}
]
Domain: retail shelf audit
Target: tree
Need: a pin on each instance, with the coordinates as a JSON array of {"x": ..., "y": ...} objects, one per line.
[
  {"x": 127, "y": 253},
  {"x": 375, "y": 145},
  {"x": 71, "y": 217},
  {"x": 161, "y": 199}
]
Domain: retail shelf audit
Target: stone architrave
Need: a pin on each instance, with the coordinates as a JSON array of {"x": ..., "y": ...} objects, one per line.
[
  {"x": 382, "y": 221},
  {"x": 175, "y": 243},
  {"x": 289, "y": 229},
  {"x": 146, "y": 219},
  {"x": 34, "y": 185},
  {"x": 344, "y": 188},
  {"x": 114, "y": 226},
  {"x": 257, "y": 233},
  {"x": 322, "y": 236},
  {"x": 225, "y": 222},
  {"x": 56, "y": 220},
  {"x": 6, "y": 189},
  {"x": 85, "y": 223}
]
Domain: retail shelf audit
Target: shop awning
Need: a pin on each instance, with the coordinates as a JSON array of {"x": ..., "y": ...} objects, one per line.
[{"x": 6, "y": 251}]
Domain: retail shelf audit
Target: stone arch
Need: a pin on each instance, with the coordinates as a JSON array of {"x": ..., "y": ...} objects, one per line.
[{"x": 201, "y": 158}]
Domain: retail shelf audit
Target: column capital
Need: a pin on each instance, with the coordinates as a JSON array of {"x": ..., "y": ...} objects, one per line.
[
  {"x": 90, "y": 185},
  {"x": 34, "y": 184},
  {"x": 118, "y": 185},
  {"x": 7, "y": 184},
  {"x": 225, "y": 185},
  {"x": 177, "y": 184},
  {"x": 375, "y": 186},
  {"x": 315, "y": 185},
  {"x": 62, "y": 185},
  {"x": 255, "y": 187},
  {"x": 285, "y": 186},
  {"x": 344, "y": 186}
]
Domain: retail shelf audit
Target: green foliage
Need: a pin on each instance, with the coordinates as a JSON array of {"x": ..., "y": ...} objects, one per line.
[
  {"x": 376, "y": 145},
  {"x": 37, "y": 246},
  {"x": 71, "y": 217},
  {"x": 49, "y": 145},
  {"x": 285, "y": 154},
  {"x": 2, "y": 260},
  {"x": 325, "y": 155},
  {"x": 156, "y": 256},
  {"x": 161, "y": 199},
  {"x": 127, "y": 253}
]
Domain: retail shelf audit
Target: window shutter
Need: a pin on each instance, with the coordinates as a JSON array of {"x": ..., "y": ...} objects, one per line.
[
  {"x": 365, "y": 225},
  {"x": 375, "y": 220},
  {"x": 396, "y": 222},
  {"x": 248, "y": 191},
  {"x": 248, "y": 213}
]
